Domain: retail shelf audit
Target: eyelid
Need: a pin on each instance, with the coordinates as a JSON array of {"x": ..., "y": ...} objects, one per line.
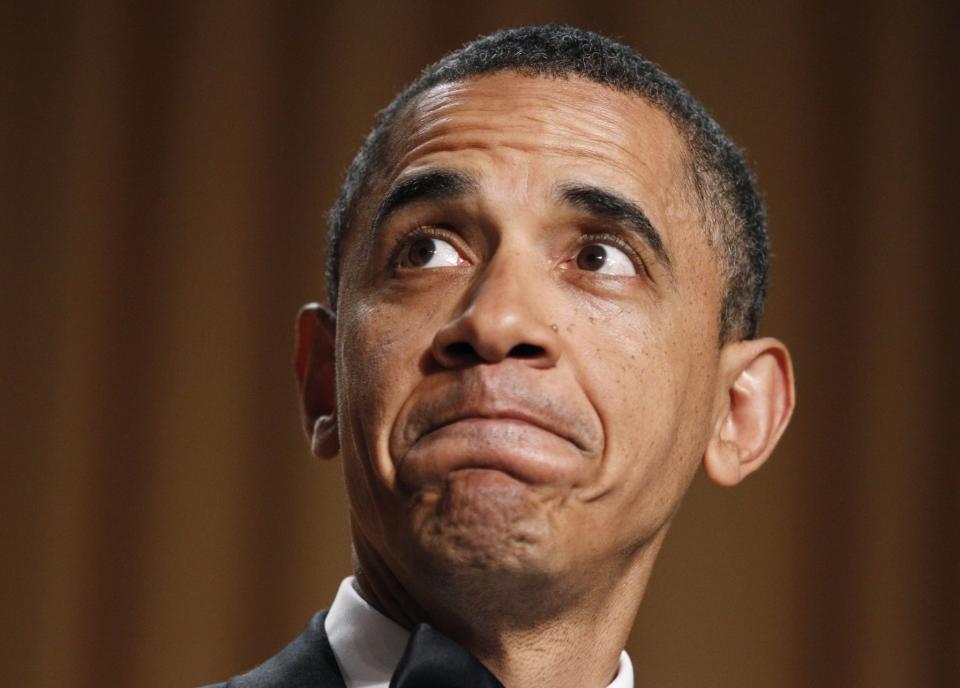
[
  {"x": 433, "y": 231},
  {"x": 618, "y": 242}
]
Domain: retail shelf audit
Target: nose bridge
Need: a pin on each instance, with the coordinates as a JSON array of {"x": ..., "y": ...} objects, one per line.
[
  {"x": 506, "y": 313},
  {"x": 506, "y": 290}
]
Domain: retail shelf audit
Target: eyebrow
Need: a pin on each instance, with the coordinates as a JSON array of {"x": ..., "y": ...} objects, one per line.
[
  {"x": 427, "y": 186},
  {"x": 611, "y": 206}
]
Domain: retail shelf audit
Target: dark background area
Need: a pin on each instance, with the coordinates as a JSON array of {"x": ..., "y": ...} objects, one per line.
[{"x": 166, "y": 168}]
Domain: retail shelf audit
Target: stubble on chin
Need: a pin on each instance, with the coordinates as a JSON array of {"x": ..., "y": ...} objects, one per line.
[{"x": 482, "y": 523}]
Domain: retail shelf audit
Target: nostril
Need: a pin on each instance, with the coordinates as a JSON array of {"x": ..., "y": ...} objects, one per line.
[
  {"x": 461, "y": 351},
  {"x": 526, "y": 351}
]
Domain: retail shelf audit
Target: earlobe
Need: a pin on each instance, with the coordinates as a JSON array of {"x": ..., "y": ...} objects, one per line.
[
  {"x": 325, "y": 437},
  {"x": 759, "y": 401},
  {"x": 316, "y": 376}
]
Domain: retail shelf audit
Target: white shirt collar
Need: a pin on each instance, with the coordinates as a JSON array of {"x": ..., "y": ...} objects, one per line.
[{"x": 368, "y": 645}]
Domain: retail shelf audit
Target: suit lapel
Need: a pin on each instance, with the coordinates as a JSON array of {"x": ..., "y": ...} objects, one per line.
[{"x": 307, "y": 662}]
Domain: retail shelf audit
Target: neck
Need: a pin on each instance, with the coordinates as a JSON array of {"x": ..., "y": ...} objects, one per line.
[{"x": 526, "y": 635}]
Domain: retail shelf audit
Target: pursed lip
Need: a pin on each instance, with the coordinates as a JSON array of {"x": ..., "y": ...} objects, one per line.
[
  {"x": 508, "y": 422},
  {"x": 507, "y": 414}
]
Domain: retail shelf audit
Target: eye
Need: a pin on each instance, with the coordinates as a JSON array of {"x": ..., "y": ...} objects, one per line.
[
  {"x": 605, "y": 259},
  {"x": 429, "y": 252}
]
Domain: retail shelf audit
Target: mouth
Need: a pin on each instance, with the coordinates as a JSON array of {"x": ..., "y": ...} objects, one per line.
[
  {"x": 505, "y": 420},
  {"x": 532, "y": 429},
  {"x": 511, "y": 444}
]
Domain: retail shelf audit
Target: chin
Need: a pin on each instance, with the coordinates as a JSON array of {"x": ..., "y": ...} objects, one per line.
[
  {"x": 485, "y": 545},
  {"x": 483, "y": 524}
]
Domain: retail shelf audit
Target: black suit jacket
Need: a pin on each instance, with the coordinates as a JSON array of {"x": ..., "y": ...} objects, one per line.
[{"x": 307, "y": 662}]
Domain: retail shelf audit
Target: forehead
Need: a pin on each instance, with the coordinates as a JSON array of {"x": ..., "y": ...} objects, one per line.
[{"x": 588, "y": 128}]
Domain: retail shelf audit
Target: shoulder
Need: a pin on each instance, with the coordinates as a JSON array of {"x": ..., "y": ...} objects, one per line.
[{"x": 307, "y": 662}]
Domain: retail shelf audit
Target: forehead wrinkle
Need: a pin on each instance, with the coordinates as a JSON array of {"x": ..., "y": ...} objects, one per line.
[
  {"x": 443, "y": 111},
  {"x": 553, "y": 116},
  {"x": 567, "y": 147}
]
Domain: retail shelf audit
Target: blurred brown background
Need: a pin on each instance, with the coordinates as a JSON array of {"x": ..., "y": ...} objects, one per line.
[{"x": 165, "y": 173}]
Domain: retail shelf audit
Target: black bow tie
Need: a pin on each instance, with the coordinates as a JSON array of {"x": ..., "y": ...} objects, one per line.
[{"x": 432, "y": 660}]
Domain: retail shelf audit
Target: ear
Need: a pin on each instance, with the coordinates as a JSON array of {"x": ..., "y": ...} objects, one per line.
[
  {"x": 756, "y": 404},
  {"x": 316, "y": 375}
]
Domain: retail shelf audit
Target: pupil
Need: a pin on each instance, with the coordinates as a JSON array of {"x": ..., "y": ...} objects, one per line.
[
  {"x": 592, "y": 257},
  {"x": 421, "y": 252}
]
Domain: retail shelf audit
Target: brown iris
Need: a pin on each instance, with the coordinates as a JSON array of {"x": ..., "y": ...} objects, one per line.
[
  {"x": 592, "y": 257},
  {"x": 421, "y": 251}
]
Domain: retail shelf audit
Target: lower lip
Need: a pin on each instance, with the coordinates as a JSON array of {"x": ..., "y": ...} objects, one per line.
[{"x": 520, "y": 449}]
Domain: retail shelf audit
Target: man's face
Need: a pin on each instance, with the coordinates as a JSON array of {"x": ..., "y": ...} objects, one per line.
[{"x": 526, "y": 343}]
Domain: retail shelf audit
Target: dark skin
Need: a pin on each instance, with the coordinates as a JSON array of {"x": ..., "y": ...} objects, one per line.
[{"x": 526, "y": 371}]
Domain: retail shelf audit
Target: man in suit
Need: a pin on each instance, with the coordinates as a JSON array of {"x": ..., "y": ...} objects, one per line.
[{"x": 546, "y": 270}]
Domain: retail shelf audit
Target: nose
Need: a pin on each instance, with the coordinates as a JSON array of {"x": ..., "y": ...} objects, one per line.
[{"x": 504, "y": 317}]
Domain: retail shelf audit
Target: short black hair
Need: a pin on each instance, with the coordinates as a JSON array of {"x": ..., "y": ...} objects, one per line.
[{"x": 725, "y": 188}]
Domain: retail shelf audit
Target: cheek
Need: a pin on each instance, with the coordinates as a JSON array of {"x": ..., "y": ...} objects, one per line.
[
  {"x": 373, "y": 353},
  {"x": 380, "y": 353},
  {"x": 625, "y": 358},
  {"x": 641, "y": 376}
]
